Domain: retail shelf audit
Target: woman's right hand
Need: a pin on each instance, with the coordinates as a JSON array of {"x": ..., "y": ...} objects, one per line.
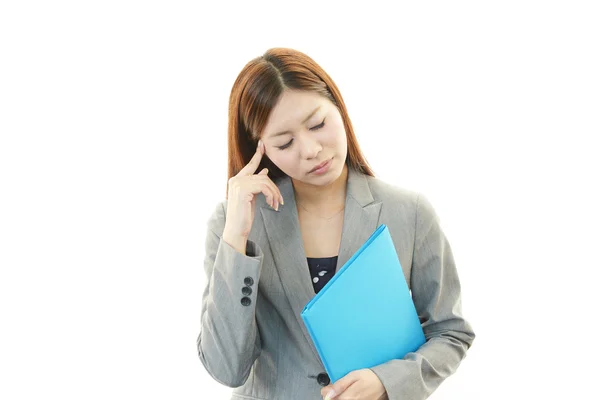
[{"x": 241, "y": 194}]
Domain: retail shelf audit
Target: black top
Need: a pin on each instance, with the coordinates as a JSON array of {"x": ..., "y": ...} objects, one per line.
[{"x": 321, "y": 270}]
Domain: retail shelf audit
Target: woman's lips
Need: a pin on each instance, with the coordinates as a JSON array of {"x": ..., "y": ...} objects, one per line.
[{"x": 321, "y": 168}]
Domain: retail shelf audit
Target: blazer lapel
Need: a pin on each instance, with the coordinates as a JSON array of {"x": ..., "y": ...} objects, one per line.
[{"x": 361, "y": 218}]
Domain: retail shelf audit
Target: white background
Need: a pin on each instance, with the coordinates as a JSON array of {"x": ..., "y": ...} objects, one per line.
[{"x": 113, "y": 119}]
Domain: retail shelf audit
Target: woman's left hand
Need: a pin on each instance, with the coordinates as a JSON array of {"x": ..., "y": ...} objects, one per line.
[{"x": 361, "y": 384}]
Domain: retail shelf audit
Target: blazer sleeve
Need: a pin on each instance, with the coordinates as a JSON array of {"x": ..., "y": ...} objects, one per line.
[
  {"x": 436, "y": 294},
  {"x": 229, "y": 341}
]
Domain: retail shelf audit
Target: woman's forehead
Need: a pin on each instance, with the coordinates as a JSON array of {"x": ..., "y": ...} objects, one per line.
[{"x": 293, "y": 110}]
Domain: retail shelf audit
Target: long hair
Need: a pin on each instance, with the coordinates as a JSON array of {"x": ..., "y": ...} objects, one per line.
[{"x": 255, "y": 93}]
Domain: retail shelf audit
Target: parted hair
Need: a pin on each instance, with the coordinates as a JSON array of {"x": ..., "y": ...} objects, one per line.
[{"x": 257, "y": 90}]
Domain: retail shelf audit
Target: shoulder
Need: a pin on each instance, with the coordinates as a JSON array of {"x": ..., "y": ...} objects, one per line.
[
  {"x": 216, "y": 219},
  {"x": 389, "y": 192},
  {"x": 400, "y": 198}
]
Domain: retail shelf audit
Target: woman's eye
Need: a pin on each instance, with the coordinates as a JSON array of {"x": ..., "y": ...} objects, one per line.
[
  {"x": 314, "y": 128},
  {"x": 285, "y": 146},
  {"x": 322, "y": 124}
]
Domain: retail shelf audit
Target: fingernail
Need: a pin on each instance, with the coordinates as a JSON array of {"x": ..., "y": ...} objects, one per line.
[
  {"x": 259, "y": 142},
  {"x": 330, "y": 395}
]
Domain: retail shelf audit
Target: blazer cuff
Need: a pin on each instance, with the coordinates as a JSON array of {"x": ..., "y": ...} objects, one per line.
[
  {"x": 240, "y": 270},
  {"x": 401, "y": 379},
  {"x": 420, "y": 373}
]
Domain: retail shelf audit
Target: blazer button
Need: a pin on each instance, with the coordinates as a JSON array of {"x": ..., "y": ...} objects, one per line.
[
  {"x": 323, "y": 379},
  {"x": 246, "y": 301},
  {"x": 246, "y": 291},
  {"x": 248, "y": 281}
]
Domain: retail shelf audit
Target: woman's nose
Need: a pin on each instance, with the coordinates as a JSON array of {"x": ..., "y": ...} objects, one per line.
[{"x": 309, "y": 146}]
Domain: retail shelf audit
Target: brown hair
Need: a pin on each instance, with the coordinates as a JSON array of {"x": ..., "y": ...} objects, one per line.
[{"x": 255, "y": 93}]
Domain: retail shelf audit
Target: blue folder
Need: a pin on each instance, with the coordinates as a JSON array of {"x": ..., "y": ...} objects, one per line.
[{"x": 364, "y": 316}]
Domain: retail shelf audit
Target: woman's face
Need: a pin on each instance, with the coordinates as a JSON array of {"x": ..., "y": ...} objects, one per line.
[{"x": 313, "y": 132}]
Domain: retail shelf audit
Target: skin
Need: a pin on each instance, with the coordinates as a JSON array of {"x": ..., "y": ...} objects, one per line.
[{"x": 311, "y": 144}]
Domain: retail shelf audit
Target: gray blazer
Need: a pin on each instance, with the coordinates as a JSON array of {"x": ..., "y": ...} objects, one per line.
[{"x": 252, "y": 337}]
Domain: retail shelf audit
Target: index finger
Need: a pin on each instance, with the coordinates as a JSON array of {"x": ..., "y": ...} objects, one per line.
[{"x": 251, "y": 167}]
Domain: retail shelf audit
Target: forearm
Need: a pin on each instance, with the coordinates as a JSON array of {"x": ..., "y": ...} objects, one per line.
[
  {"x": 229, "y": 342},
  {"x": 238, "y": 242},
  {"x": 420, "y": 373}
]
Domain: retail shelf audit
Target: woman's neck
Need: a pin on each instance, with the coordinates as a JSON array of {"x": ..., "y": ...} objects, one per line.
[{"x": 323, "y": 198}]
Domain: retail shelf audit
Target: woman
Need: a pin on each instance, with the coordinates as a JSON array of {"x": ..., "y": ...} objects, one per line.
[{"x": 283, "y": 232}]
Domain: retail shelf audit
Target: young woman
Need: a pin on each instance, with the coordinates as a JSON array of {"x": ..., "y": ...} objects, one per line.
[{"x": 284, "y": 231}]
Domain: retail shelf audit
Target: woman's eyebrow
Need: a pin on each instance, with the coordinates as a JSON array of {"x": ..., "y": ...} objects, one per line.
[{"x": 305, "y": 119}]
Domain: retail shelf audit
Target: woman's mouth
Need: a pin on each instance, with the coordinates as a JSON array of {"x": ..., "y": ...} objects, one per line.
[{"x": 321, "y": 168}]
